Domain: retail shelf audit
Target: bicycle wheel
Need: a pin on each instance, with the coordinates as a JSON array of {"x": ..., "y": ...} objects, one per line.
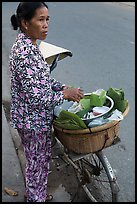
[{"x": 97, "y": 178}]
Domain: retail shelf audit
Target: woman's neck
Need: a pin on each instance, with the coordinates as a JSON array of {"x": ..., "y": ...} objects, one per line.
[{"x": 34, "y": 41}]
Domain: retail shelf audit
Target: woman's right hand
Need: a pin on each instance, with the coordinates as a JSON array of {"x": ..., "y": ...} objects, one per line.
[{"x": 73, "y": 94}]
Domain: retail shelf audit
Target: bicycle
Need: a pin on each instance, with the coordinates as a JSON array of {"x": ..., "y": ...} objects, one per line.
[{"x": 93, "y": 170}]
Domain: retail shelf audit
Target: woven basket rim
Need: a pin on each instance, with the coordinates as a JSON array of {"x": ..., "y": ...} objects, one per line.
[{"x": 94, "y": 129}]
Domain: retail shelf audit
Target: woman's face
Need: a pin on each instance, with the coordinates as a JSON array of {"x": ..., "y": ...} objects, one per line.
[{"x": 37, "y": 27}]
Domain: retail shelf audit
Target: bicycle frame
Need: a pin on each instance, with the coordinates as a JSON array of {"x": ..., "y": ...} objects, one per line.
[
  {"x": 70, "y": 158},
  {"x": 109, "y": 171}
]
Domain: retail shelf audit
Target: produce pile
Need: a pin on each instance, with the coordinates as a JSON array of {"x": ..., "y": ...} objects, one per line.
[{"x": 73, "y": 117}]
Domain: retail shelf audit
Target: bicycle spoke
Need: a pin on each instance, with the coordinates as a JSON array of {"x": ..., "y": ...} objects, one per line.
[{"x": 98, "y": 185}]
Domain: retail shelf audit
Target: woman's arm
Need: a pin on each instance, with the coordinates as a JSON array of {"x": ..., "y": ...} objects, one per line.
[
  {"x": 36, "y": 83},
  {"x": 56, "y": 85}
]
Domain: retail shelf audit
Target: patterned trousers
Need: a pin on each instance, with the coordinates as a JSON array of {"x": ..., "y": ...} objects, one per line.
[{"x": 37, "y": 149}]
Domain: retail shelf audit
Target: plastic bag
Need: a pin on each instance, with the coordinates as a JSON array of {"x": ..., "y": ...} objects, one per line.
[
  {"x": 116, "y": 115},
  {"x": 76, "y": 107},
  {"x": 64, "y": 106},
  {"x": 98, "y": 122}
]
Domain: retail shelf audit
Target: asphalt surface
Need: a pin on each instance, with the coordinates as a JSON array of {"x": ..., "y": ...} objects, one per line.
[{"x": 122, "y": 156}]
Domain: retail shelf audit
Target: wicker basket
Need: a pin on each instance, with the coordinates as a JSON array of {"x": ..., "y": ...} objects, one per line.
[{"x": 89, "y": 140}]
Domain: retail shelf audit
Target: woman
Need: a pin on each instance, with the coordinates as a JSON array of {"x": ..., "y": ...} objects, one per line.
[{"x": 34, "y": 94}]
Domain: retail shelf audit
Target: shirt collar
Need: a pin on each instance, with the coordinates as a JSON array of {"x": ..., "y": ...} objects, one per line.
[{"x": 23, "y": 36}]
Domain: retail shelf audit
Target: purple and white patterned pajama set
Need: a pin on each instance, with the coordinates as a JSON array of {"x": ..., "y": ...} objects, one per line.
[{"x": 34, "y": 94}]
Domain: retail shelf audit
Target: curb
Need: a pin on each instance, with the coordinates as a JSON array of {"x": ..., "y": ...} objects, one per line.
[
  {"x": 124, "y": 4},
  {"x": 19, "y": 149},
  {"x": 12, "y": 175},
  {"x": 130, "y": 4},
  {"x": 15, "y": 138}
]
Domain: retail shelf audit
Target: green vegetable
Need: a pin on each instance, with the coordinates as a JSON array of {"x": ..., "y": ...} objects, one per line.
[
  {"x": 85, "y": 103},
  {"x": 83, "y": 112},
  {"x": 90, "y": 101},
  {"x": 97, "y": 100},
  {"x": 86, "y": 107},
  {"x": 68, "y": 124},
  {"x": 116, "y": 94},
  {"x": 118, "y": 97},
  {"x": 69, "y": 120},
  {"x": 121, "y": 105}
]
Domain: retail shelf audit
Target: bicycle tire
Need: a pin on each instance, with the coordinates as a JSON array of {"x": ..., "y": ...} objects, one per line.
[{"x": 95, "y": 179}]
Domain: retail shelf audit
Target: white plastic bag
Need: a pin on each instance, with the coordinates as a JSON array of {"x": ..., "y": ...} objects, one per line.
[{"x": 116, "y": 115}]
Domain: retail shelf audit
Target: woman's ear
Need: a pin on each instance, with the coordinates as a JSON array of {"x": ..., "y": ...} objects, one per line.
[{"x": 24, "y": 24}]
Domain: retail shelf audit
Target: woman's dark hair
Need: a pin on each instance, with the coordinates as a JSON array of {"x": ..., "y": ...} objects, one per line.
[{"x": 26, "y": 11}]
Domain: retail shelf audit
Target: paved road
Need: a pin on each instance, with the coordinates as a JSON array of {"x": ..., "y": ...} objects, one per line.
[{"x": 102, "y": 39}]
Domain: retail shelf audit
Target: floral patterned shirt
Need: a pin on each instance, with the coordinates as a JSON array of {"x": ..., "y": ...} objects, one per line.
[{"x": 34, "y": 94}]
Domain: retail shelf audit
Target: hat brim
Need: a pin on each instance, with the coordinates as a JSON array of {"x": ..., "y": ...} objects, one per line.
[{"x": 50, "y": 52}]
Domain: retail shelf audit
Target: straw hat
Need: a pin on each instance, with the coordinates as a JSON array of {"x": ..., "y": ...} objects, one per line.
[{"x": 50, "y": 52}]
